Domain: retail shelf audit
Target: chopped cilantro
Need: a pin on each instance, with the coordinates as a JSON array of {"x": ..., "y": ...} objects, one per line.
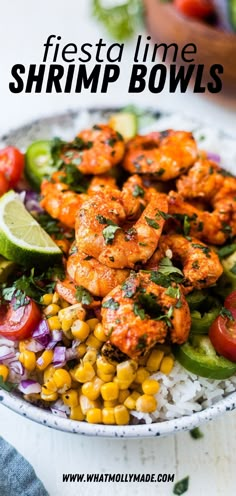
[
  {"x": 196, "y": 433},
  {"x": 167, "y": 316},
  {"x": 225, "y": 312},
  {"x": 109, "y": 233},
  {"x": 205, "y": 249},
  {"x": 181, "y": 486},
  {"x": 142, "y": 342},
  {"x": 152, "y": 223},
  {"x": 104, "y": 220},
  {"x": 164, "y": 215},
  {"x": 83, "y": 296},
  {"x": 111, "y": 303},
  {"x": 7, "y": 386},
  {"x": 187, "y": 225},
  {"x": 50, "y": 225},
  {"x": 129, "y": 288},
  {"x": 138, "y": 191},
  {"x": 160, "y": 172},
  {"x": 173, "y": 292},
  {"x": 166, "y": 267},
  {"x": 195, "y": 265},
  {"x": 140, "y": 312},
  {"x": 226, "y": 228}
]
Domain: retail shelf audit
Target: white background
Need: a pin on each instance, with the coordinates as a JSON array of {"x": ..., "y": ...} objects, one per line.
[{"x": 210, "y": 462}]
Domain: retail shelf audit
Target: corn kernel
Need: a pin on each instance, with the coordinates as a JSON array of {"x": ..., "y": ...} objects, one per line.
[
  {"x": 54, "y": 323},
  {"x": 62, "y": 379},
  {"x": 92, "y": 323},
  {"x": 91, "y": 389},
  {"x": 71, "y": 398},
  {"x": 72, "y": 312},
  {"x": 110, "y": 391},
  {"x": 90, "y": 356},
  {"x": 51, "y": 385},
  {"x": 154, "y": 360},
  {"x": 94, "y": 416},
  {"x": 123, "y": 385},
  {"x": 110, "y": 403},
  {"x": 123, "y": 395},
  {"x": 87, "y": 404},
  {"x": 104, "y": 366},
  {"x": 130, "y": 402},
  {"x": 81, "y": 349},
  {"x": 55, "y": 298},
  {"x": 121, "y": 415},
  {"x": 4, "y": 371},
  {"x": 99, "y": 333},
  {"x": 104, "y": 377},
  {"x": 48, "y": 395},
  {"x": 150, "y": 386},
  {"x": 141, "y": 375},
  {"x": 84, "y": 372},
  {"x": 167, "y": 365},
  {"x": 66, "y": 324},
  {"x": 46, "y": 299},
  {"x": 48, "y": 373},
  {"x": 93, "y": 342},
  {"x": 80, "y": 329},
  {"x": 51, "y": 310},
  {"x": 28, "y": 360},
  {"x": 45, "y": 359},
  {"x": 65, "y": 304},
  {"x": 108, "y": 416},
  {"x": 126, "y": 371},
  {"x": 146, "y": 403},
  {"x": 76, "y": 413}
]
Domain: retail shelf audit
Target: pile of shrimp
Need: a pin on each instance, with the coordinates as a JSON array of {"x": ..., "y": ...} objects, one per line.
[{"x": 173, "y": 204}]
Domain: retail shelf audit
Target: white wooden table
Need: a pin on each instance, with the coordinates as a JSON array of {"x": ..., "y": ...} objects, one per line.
[{"x": 210, "y": 462}]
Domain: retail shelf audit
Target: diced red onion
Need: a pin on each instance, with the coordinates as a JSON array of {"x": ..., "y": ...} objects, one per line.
[
  {"x": 6, "y": 353},
  {"x": 42, "y": 333},
  {"x": 7, "y": 342},
  {"x": 56, "y": 338},
  {"x": 16, "y": 372},
  {"x": 33, "y": 345},
  {"x": 31, "y": 201},
  {"x": 59, "y": 413},
  {"x": 29, "y": 387},
  {"x": 214, "y": 156},
  {"x": 59, "y": 358},
  {"x": 71, "y": 353}
]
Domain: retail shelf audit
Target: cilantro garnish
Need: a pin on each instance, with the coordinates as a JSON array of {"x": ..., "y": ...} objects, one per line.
[
  {"x": 111, "y": 303},
  {"x": 109, "y": 233},
  {"x": 152, "y": 223},
  {"x": 83, "y": 295},
  {"x": 138, "y": 191},
  {"x": 225, "y": 312},
  {"x": 181, "y": 487},
  {"x": 140, "y": 312},
  {"x": 7, "y": 386},
  {"x": 196, "y": 433}
]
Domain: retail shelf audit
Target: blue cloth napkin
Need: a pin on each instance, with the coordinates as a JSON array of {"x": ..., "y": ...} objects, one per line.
[{"x": 17, "y": 476}]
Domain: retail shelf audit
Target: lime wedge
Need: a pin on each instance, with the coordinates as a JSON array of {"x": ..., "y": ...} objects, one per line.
[{"x": 22, "y": 239}]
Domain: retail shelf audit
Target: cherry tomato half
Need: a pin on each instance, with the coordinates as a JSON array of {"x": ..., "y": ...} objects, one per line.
[
  {"x": 11, "y": 164},
  {"x": 4, "y": 184},
  {"x": 223, "y": 336},
  {"x": 17, "y": 324},
  {"x": 230, "y": 301},
  {"x": 195, "y": 8}
]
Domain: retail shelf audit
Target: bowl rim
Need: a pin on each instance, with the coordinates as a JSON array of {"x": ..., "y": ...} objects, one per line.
[{"x": 46, "y": 417}]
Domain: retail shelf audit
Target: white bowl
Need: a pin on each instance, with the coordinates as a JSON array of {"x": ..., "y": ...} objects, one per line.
[{"x": 66, "y": 126}]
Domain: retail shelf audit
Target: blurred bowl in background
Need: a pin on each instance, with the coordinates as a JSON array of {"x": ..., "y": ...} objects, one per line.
[{"x": 214, "y": 46}]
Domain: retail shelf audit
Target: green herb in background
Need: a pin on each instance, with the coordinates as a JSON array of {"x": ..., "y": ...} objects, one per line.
[
  {"x": 7, "y": 386},
  {"x": 196, "y": 433},
  {"x": 181, "y": 487},
  {"x": 120, "y": 21}
]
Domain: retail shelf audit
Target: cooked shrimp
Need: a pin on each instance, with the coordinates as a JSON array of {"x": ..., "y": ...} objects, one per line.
[
  {"x": 211, "y": 227},
  {"x": 101, "y": 149},
  {"x": 130, "y": 313},
  {"x": 98, "y": 279},
  {"x": 133, "y": 196},
  {"x": 59, "y": 201},
  {"x": 202, "y": 181},
  {"x": 97, "y": 214},
  {"x": 140, "y": 241},
  {"x": 101, "y": 183},
  {"x": 166, "y": 154},
  {"x": 201, "y": 265}
]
